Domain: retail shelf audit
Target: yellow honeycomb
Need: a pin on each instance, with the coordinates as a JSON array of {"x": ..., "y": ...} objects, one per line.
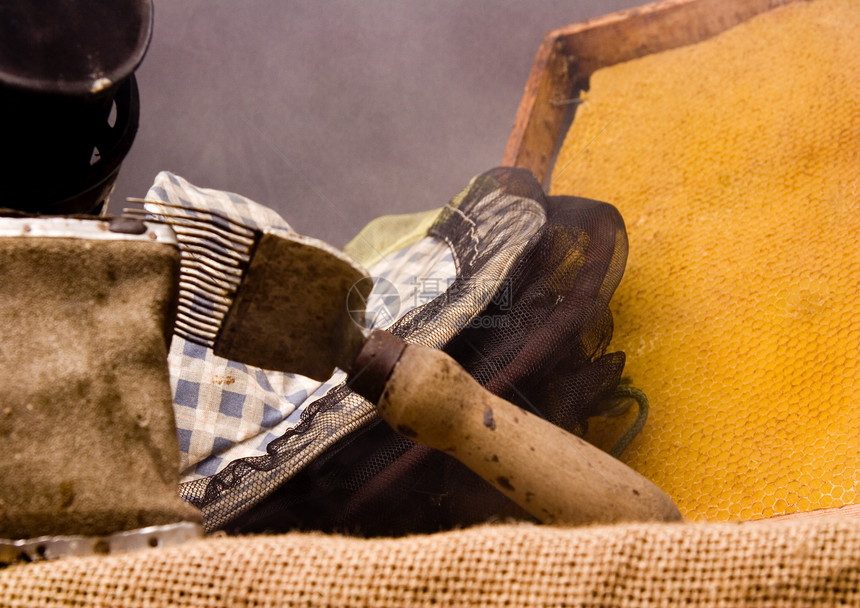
[{"x": 736, "y": 165}]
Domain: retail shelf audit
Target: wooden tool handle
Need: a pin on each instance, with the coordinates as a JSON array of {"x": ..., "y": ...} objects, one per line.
[{"x": 552, "y": 474}]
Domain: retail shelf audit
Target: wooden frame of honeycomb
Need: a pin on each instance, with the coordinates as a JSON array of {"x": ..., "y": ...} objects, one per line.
[{"x": 552, "y": 107}]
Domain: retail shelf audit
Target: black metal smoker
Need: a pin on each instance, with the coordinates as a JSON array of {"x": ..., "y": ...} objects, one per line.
[{"x": 87, "y": 431}]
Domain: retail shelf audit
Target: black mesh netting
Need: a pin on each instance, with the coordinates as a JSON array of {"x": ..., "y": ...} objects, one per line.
[{"x": 540, "y": 343}]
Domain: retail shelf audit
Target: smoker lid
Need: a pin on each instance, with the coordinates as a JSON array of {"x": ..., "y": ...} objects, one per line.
[{"x": 72, "y": 47}]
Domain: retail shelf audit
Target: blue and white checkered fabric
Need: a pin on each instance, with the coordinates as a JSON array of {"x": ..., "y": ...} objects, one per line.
[{"x": 226, "y": 410}]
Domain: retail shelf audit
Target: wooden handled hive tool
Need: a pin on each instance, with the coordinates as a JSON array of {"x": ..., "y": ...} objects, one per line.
[{"x": 286, "y": 302}]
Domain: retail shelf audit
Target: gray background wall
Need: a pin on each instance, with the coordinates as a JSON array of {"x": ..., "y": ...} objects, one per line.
[{"x": 335, "y": 112}]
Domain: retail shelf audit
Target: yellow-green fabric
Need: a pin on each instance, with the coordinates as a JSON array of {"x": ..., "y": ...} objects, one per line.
[{"x": 387, "y": 234}]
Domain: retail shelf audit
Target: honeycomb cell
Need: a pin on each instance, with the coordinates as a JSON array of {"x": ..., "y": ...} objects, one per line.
[{"x": 736, "y": 165}]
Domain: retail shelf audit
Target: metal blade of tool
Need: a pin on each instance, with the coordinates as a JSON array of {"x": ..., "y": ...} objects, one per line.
[{"x": 307, "y": 299}]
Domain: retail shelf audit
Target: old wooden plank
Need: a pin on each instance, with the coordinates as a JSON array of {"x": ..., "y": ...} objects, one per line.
[{"x": 569, "y": 55}]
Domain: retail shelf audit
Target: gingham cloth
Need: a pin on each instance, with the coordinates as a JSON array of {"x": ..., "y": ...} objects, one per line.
[{"x": 226, "y": 410}]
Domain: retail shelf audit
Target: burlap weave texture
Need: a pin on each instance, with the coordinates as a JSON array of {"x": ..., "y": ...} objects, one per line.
[{"x": 803, "y": 562}]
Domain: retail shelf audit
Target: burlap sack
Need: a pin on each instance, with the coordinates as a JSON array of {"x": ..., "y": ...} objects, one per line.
[{"x": 807, "y": 562}]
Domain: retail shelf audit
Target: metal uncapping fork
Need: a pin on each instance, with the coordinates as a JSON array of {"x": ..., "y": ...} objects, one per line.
[{"x": 279, "y": 301}]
